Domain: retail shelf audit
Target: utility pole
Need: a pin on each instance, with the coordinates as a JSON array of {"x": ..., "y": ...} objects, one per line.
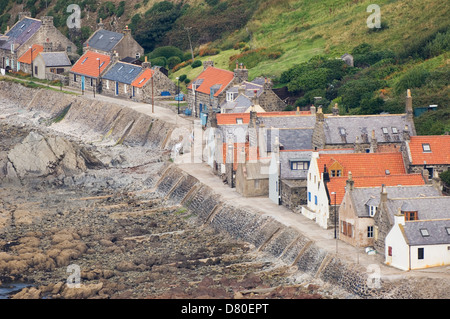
[
  {"x": 153, "y": 104},
  {"x": 190, "y": 43}
]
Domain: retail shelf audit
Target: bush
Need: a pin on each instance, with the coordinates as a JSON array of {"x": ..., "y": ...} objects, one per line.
[
  {"x": 173, "y": 61},
  {"x": 182, "y": 77},
  {"x": 166, "y": 52},
  {"x": 159, "y": 61},
  {"x": 196, "y": 64}
]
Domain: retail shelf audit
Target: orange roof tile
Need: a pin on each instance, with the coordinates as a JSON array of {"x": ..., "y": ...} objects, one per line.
[
  {"x": 88, "y": 64},
  {"x": 439, "y": 152},
  {"x": 31, "y": 54},
  {"x": 364, "y": 164},
  {"x": 143, "y": 78},
  {"x": 213, "y": 76},
  {"x": 337, "y": 184}
]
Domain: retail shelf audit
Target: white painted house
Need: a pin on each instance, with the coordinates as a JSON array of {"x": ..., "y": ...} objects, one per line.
[{"x": 418, "y": 244}]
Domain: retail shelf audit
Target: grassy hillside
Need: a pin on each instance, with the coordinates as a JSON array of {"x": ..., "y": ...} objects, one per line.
[{"x": 291, "y": 42}]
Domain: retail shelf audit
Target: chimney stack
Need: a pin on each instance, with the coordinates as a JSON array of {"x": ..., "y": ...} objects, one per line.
[
  {"x": 100, "y": 24},
  {"x": 313, "y": 110},
  {"x": 146, "y": 64},
  {"x": 350, "y": 182},
  {"x": 383, "y": 196},
  {"x": 406, "y": 134},
  {"x": 409, "y": 106},
  {"x": 335, "y": 110},
  {"x": 24, "y": 14}
]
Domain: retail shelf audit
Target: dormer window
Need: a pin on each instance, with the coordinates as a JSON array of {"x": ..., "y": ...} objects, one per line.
[
  {"x": 299, "y": 165},
  {"x": 410, "y": 216},
  {"x": 372, "y": 210},
  {"x": 426, "y": 147}
]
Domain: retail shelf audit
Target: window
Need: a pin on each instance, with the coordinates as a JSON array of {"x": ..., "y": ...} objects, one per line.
[
  {"x": 342, "y": 131},
  {"x": 315, "y": 199},
  {"x": 336, "y": 173},
  {"x": 411, "y": 216},
  {"x": 390, "y": 251},
  {"x": 107, "y": 84},
  {"x": 69, "y": 48},
  {"x": 36, "y": 70},
  {"x": 372, "y": 210},
  {"x": 138, "y": 55},
  {"x": 74, "y": 77},
  {"x": 82, "y": 62},
  {"x": 92, "y": 82},
  {"x": 424, "y": 232},
  {"x": 309, "y": 196},
  {"x": 426, "y": 147},
  {"x": 125, "y": 88},
  {"x": 239, "y": 121},
  {"x": 256, "y": 183},
  {"x": 299, "y": 165},
  {"x": 448, "y": 230},
  {"x": 394, "y": 130},
  {"x": 369, "y": 231},
  {"x": 420, "y": 253},
  {"x": 385, "y": 130}
]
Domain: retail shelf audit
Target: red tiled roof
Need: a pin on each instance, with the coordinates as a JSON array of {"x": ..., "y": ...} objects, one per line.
[
  {"x": 212, "y": 76},
  {"x": 230, "y": 118},
  {"x": 439, "y": 149},
  {"x": 143, "y": 78},
  {"x": 88, "y": 64},
  {"x": 31, "y": 53},
  {"x": 364, "y": 164},
  {"x": 337, "y": 184}
]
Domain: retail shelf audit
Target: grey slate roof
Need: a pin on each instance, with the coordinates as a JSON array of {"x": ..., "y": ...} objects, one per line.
[
  {"x": 239, "y": 105},
  {"x": 303, "y": 121},
  {"x": 427, "y": 207},
  {"x": 20, "y": 32},
  {"x": 285, "y": 164},
  {"x": 436, "y": 229},
  {"x": 291, "y": 139},
  {"x": 362, "y": 127},
  {"x": 123, "y": 72},
  {"x": 104, "y": 40},
  {"x": 365, "y": 196},
  {"x": 54, "y": 59}
]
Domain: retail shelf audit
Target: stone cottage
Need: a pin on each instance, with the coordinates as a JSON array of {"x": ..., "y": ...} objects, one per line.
[
  {"x": 208, "y": 89},
  {"x": 87, "y": 72},
  {"x": 118, "y": 78},
  {"x": 360, "y": 204},
  {"x": 326, "y": 187},
  {"x": 419, "y": 244},
  {"x": 25, "y": 62},
  {"x": 52, "y": 66},
  {"x": 151, "y": 82},
  {"x": 429, "y": 155},
  {"x": 364, "y": 133},
  {"x": 110, "y": 42},
  {"x": 28, "y": 32},
  {"x": 414, "y": 209},
  {"x": 240, "y": 97}
]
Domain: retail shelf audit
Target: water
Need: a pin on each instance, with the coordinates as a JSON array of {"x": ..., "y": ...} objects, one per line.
[{"x": 6, "y": 290}]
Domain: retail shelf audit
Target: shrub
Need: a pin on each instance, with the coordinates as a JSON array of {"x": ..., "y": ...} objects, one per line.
[
  {"x": 160, "y": 61},
  {"x": 196, "y": 64},
  {"x": 445, "y": 177},
  {"x": 173, "y": 61},
  {"x": 166, "y": 52},
  {"x": 182, "y": 77}
]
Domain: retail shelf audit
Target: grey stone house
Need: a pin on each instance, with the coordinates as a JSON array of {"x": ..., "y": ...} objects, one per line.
[
  {"x": 53, "y": 66},
  {"x": 27, "y": 32},
  {"x": 110, "y": 42},
  {"x": 413, "y": 208}
]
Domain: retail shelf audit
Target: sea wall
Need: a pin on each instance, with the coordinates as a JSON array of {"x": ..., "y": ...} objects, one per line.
[{"x": 110, "y": 122}]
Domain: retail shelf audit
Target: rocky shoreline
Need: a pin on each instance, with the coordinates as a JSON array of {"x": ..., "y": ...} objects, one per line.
[{"x": 94, "y": 206}]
